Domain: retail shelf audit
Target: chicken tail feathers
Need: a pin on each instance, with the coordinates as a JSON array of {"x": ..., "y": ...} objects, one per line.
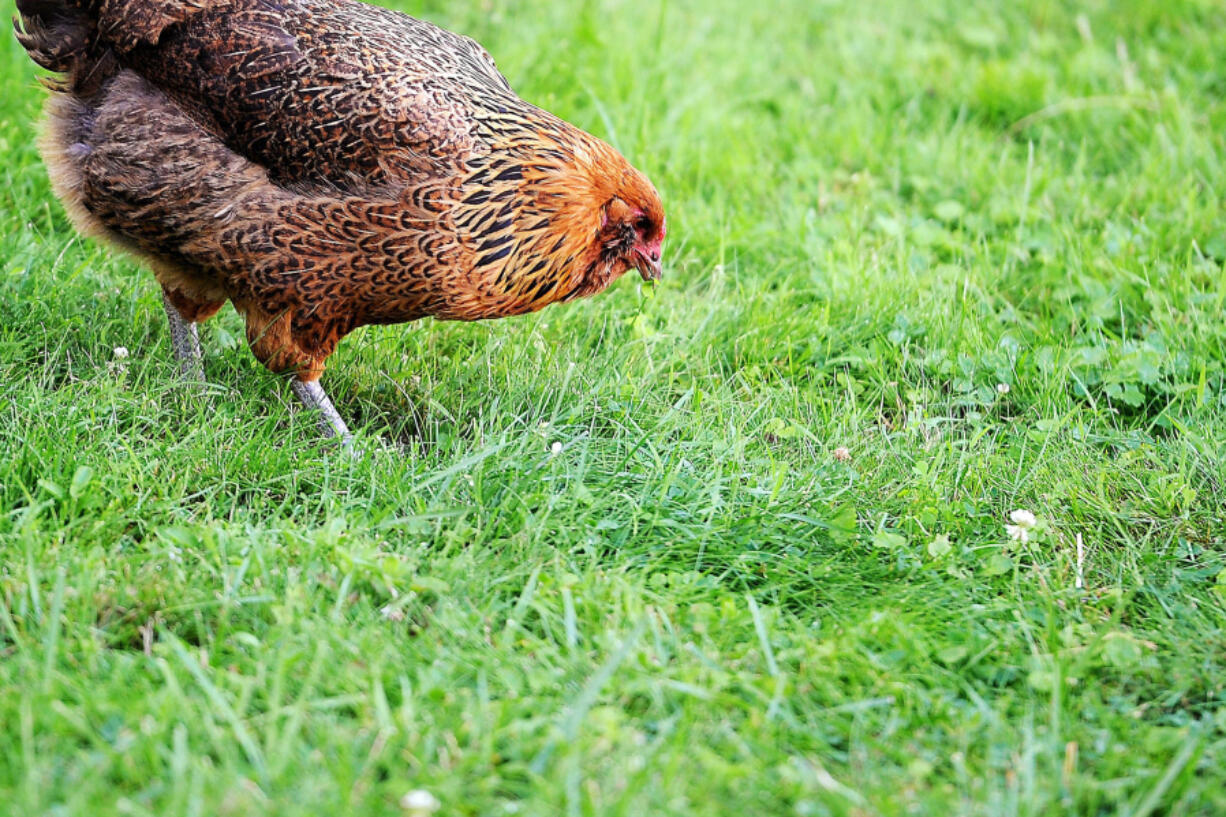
[
  {"x": 57, "y": 34},
  {"x": 80, "y": 38}
]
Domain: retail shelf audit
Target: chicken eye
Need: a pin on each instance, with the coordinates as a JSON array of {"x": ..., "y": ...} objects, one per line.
[{"x": 643, "y": 226}]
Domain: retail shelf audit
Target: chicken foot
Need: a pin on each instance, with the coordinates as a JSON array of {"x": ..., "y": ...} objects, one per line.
[
  {"x": 185, "y": 339},
  {"x": 314, "y": 397}
]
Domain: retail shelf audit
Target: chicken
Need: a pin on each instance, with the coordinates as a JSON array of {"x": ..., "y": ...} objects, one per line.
[{"x": 324, "y": 165}]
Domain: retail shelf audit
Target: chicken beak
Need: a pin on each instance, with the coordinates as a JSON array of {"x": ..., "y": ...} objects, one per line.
[{"x": 650, "y": 268}]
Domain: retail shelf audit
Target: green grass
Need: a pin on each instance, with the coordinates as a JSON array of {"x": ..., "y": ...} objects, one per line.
[{"x": 881, "y": 213}]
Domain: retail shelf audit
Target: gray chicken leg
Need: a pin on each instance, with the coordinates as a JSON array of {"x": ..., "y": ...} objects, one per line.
[
  {"x": 314, "y": 397},
  {"x": 185, "y": 339}
]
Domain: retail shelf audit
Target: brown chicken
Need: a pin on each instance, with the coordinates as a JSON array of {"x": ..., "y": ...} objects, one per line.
[{"x": 323, "y": 165}]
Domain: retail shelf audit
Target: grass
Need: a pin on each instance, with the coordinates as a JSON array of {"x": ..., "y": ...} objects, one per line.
[{"x": 979, "y": 246}]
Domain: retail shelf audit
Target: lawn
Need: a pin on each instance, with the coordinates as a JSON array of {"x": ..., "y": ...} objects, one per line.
[{"x": 737, "y": 546}]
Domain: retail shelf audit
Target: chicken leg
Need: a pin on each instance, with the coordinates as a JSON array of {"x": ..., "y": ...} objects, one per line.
[
  {"x": 314, "y": 397},
  {"x": 185, "y": 339}
]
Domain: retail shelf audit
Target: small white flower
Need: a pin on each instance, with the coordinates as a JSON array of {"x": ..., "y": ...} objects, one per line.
[
  {"x": 420, "y": 803},
  {"x": 1023, "y": 523},
  {"x": 842, "y": 454},
  {"x": 1024, "y": 519},
  {"x": 1003, "y": 388},
  {"x": 555, "y": 449},
  {"x": 121, "y": 353}
]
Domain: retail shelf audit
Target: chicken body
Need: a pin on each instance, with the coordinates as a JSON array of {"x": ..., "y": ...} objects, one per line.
[{"x": 325, "y": 164}]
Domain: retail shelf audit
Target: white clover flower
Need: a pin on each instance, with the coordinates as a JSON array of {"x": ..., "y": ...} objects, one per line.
[
  {"x": 1017, "y": 533},
  {"x": 555, "y": 449},
  {"x": 420, "y": 803},
  {"x": 1003, "y": 388},
  {"x": 1025, "y": 519},
  {"x": 842, "y": 454},
  {"x": 1023, "y": 523},
  {"x": 121, "y": 353}
]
